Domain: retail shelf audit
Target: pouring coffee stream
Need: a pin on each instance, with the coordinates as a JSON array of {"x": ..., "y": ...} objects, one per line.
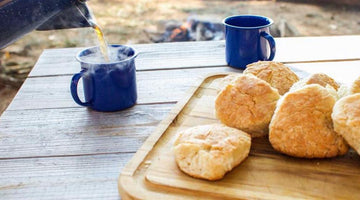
[{"x": 103, "y": 44}]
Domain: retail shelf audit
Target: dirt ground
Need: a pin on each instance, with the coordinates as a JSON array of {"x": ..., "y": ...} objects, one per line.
[{"x": 129, "y": 21}]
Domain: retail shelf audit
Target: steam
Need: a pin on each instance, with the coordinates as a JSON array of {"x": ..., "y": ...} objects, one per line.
[
  {"x": 120, "y": 70},
  {"x": 116, "y": 54}
]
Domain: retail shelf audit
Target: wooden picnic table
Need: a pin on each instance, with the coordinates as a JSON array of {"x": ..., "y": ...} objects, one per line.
[{"x": 51, "y": 148}]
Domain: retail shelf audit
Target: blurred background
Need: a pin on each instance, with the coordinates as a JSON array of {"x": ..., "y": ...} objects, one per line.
[{"x": 149, "y": 21}]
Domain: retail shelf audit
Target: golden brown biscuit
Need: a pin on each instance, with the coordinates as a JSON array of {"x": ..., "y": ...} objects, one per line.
[
  {"x": 302, "y": 125},
  {"x": 323, "y": 80},
  {"x": 223, "y": 82},
  {"x": 318, "y": 78},
  {"x": 277, "y": 74},
  {"x": 210, "y": 151},
  {"x": 346, "y": 119},
  {"x": 355, "y": 87},
  {"x": 247, "y": 103}
]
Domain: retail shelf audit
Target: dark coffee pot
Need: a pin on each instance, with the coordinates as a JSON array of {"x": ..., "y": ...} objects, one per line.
[{"x": 19, "y": 17}]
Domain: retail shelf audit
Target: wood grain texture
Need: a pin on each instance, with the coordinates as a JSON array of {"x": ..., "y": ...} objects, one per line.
[
  {"x": 151, "y": 57},
  {"x": 265, "y": 174},
  {"x": 207, "y": 54},
  {"x": 51, "y": 148},
  {"x": 74, "y": 131},
  {"x": 158, "y": 86},
  {"x": 75, "y": 177},
  {"x": 153, "y": 87}
]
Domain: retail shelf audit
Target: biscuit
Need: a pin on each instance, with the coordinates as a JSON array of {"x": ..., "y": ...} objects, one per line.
[
  {"x": 323, "y": 80},
  {"x": 247, "y": 103},
  {"x": 223, "y": 82},
  {"x": 318, "y": 78},
  {"x": 346, "y": 119},
  {"x": 302, "y": 125},
  {"x": 210, "y": 151},
  {"x": 355, "y": 87},
  {"x": 277, "y": 74}
]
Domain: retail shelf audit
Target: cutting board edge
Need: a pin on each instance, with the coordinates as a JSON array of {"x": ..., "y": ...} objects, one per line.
[{"x": 129, "y": 191}]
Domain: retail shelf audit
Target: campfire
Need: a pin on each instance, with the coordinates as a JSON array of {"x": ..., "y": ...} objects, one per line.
[
  {"x": 191, "y": 30},
  {"x": 201, "y": 30},
  {"x": 181, "y": 33}
]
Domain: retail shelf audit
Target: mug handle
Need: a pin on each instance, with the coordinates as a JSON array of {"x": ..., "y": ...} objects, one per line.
[
  {"x": 271, "y": 41},
  {"x": 73, "y": 88}
]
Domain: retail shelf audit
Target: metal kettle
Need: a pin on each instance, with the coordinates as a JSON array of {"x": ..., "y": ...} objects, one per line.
[{"x": 19, "y": 17}]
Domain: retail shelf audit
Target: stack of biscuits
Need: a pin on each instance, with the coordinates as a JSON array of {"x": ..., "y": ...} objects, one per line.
[{"x": 310, "y": 118}]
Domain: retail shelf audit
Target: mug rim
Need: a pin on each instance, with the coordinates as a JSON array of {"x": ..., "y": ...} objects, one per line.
[
  {"x": 246, "y": 27},
  {"x": 78, "y": 55}
]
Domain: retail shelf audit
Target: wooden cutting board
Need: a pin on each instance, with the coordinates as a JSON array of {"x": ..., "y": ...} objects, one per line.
[{"x": 265, "y": 174}]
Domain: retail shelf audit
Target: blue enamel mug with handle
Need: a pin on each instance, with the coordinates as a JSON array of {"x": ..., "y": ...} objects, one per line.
[
  {"x": 108, "y": 86},
  {"x": 248, "y": 40}
]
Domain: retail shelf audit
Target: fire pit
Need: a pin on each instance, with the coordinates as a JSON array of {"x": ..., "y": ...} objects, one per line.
[{"x": 191, "y": 30}]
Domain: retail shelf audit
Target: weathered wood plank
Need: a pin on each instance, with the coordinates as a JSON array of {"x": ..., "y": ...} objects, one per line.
[
  {"x": 29, "y": 130},
  {"x": 74, "y": 131},
  {"x": 207, "y": 54},
  {"x": 151, "y": 57},
  {"x": 153, "y": 87},
  {"x": 68, "y": 129},
  {"x": 157, "y": 86},
  {"x": 76, "y": 177}
]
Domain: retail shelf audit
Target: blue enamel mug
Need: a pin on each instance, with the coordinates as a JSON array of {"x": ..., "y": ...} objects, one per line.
[
  {"x": 108, "y": 86},
  {"x": 248, "y": 40}
]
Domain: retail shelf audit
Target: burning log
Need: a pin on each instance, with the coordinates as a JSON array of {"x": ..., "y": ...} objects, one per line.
[{"x": 181, "y": 33}]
